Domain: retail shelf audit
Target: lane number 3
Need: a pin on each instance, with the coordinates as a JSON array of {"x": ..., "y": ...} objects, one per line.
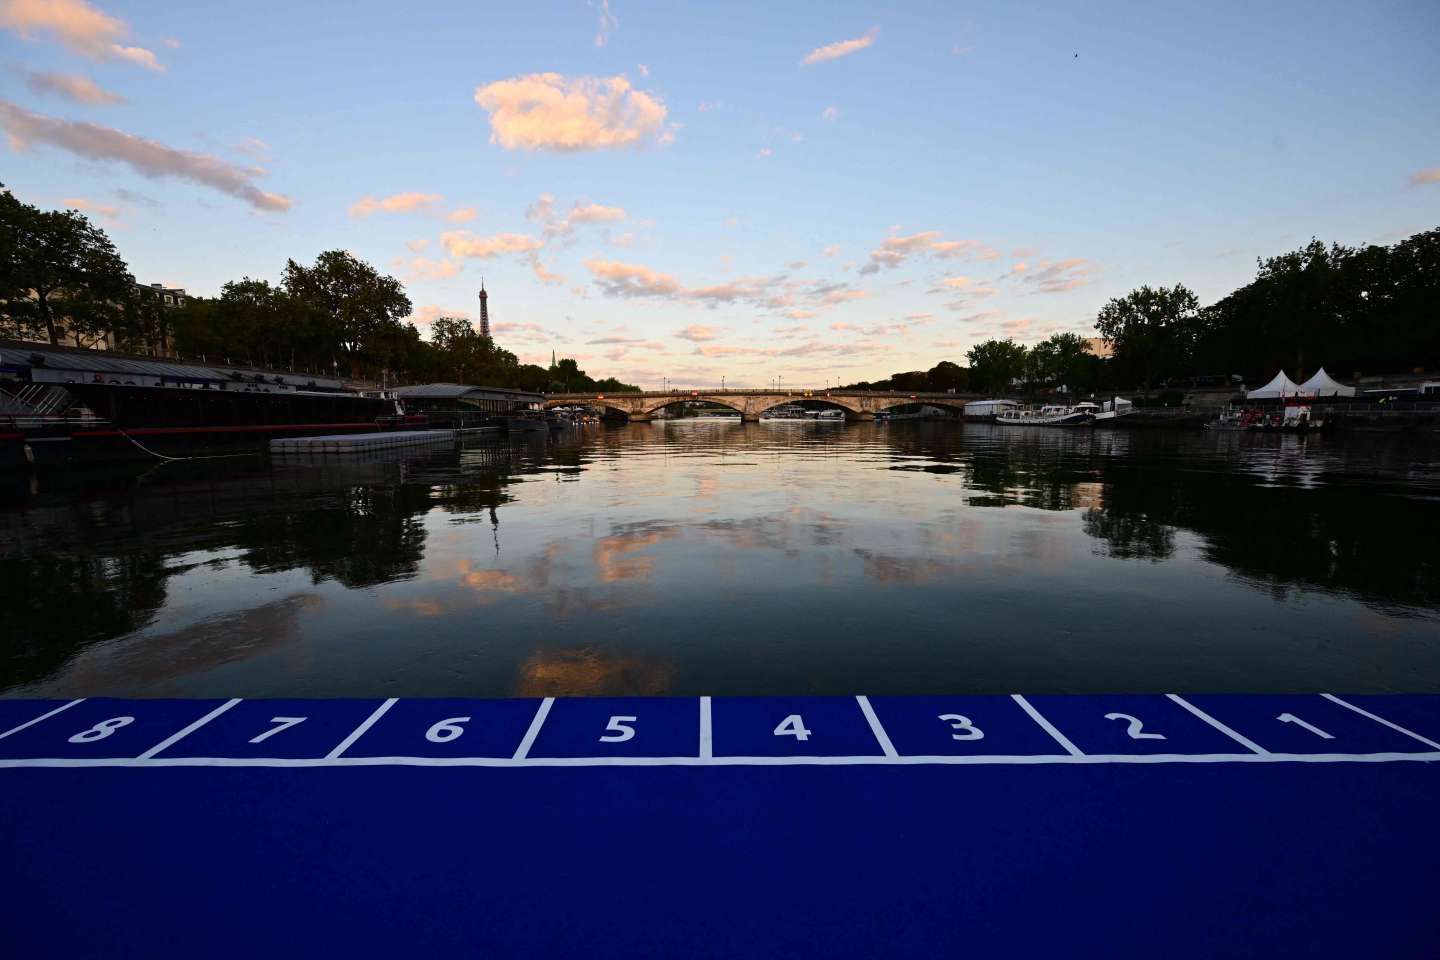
[
  {"x": 1133, "y": 731},
  {"x": 964, "y": 729}
]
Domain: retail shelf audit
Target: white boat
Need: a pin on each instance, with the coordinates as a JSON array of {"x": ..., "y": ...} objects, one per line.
[
  {"x": 1050, "y": 415},
  {"x": 1113, "y": 408}
]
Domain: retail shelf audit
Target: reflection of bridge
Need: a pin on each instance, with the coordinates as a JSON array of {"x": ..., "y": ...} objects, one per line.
[{"x": 857, "y": 404}]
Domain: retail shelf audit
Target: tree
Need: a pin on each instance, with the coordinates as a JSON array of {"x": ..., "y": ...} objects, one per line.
[
  {"x": 59, "y": 274},
  {"x": 996, "y": 364},
  {"x": 1152, "y": 329},
  {"x": 1063, "y": 360},
  {"x": 355, "y": 302}
]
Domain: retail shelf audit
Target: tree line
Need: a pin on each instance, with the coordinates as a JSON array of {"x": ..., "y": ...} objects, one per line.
[
  {"x": 1354, "y": 310},
  {"x": 62, "y": 280}
]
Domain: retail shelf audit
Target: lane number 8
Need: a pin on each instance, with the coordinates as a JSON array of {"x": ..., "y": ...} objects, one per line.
[{"x": 102, "y": 730}]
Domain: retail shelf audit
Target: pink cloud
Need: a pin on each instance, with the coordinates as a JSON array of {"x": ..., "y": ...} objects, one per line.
[
  {"x": 77, "y": 26},
  {"x": 462, "y": 215},
  {"x": 1420, "y": 177},
  {"x": 74, "y": 87},
  {"x": 1061, "y": 275},
  {"x": 549, "y": 111},
  {"x": 146, "y": 157},
  {"x": 697, "y": 333},
  {"x": 463, "y": 243},
  {"x": 397, "y": 203},
  {"x": 841, "y": 48}
]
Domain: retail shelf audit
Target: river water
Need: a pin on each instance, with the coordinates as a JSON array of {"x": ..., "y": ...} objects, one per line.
[{"x": 726, "y": 558}]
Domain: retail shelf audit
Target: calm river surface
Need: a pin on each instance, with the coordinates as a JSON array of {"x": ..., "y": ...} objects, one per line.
[{"x": 714, "y": 557}]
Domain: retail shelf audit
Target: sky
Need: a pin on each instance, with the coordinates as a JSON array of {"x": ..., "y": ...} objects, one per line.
[{"x": 821, "y": 192}]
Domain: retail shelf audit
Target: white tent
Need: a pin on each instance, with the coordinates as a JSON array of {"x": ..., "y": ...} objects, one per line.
[
  {"x": 1322, "y": 385},
  {"x": 1281, "y": 386}
]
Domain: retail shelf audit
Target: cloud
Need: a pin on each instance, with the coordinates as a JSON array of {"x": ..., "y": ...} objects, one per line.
[
  {"x": 954, "y": 283},
  {"x": 398, "y": 203},
  {"x": 549, "y": 111},
  {"x": 171, "y": 42},
  {"x": 462, "y": 215},
  {"x": 428, "y": 314},
  {"x": 796, "y": 265},
  {"x": 111, "y": 213},
  {"x": 146, "y": 157},
  {"x": 418, "y": 245},
  {"x": 698, "y": 333},
  {"x": 830, "y": 113},
  {"x": 595, "y": 213},
  {"x": 543, "y": 275},
  {"x": 543, "y": 211},
  {"x": 706, "y": 106},
  {"x": 1420, "y": 177},
  {"x": 895, "y": 250},
  {"x": 1060, "y": 276},
  {"x": 919, "y": 317},
  {"x": 463, "y": 243},
  {"x": 70, "y": 86},
  {"x": 253, "y": 147},
  {"x": 130, "y": 196},
  {"x": 618, "y": 279},
  {"x": 423, "y": 268},
  {"x": 624, "y": 240},
  {"x": 831, "y": 250},
  {"x": 77, "y": 26},
  {"x": 843, "y": 296},
  {"x": 765, "y": 152},
  {"x": 641, "y": 69},
  {"x": 608, "y": 25},
  {"x": 841, "y": 48}
]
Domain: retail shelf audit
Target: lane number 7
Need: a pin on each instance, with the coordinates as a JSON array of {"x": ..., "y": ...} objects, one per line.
[{"x": 281, "y": 723}]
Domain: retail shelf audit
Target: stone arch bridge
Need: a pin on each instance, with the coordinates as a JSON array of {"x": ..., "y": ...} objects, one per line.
[{"x": 857, "y": 404}]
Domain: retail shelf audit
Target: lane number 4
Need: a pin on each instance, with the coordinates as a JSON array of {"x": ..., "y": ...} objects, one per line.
[{"x": 793, "y": 726}]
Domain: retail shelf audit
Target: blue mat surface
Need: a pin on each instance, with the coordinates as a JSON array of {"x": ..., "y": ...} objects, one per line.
[{"x": 1125, "y": 826}]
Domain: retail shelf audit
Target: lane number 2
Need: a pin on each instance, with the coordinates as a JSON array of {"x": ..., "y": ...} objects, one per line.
[
  {"x": 793, "y": 726},
  {"x": 964, "y": 729},
  {"x": 620, "y": 730},
  {"x": 446, "y": 730},
  {"x": 1133, "y": 731},
  {"x": 1291, "y": 718},
  {"x": 102, "y": 730},
  {"x": 281, "y": 723}
]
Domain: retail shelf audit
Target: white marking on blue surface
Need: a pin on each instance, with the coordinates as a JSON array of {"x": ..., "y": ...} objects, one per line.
[
  {"x": 359, "y": 731},
  {"x": 1393, "y": 726},
  {"x": 1047, "y": 726},
  {"x": 707, "y": 730},
  {"x": 43, "y": 716},
  {"x": 529, "y": 741},
  {"x": 1245, "y": 742},
  {"x": 875, "y": 727},
  {"x": 175, "y": 738}
]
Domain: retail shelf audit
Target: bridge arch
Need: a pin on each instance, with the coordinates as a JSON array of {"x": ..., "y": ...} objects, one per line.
[
  {"x": 851, "y": 408},
  {"x": 956, "y": 406},
  {"x": 719, "y": 400}
]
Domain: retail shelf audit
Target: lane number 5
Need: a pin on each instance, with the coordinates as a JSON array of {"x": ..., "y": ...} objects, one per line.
[{"x": 620, "y": 730}]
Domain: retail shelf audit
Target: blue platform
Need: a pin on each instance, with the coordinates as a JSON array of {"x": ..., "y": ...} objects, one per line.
[{"x": 1109, "y": 826}]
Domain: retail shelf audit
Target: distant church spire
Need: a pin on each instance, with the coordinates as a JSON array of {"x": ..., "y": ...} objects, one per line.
[{"x": 484, "y": 310}]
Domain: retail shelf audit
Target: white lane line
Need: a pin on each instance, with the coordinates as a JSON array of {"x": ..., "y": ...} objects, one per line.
[
  {"x": 175, "y": 738},
  {"x": 1243, "y": 741},
  {"x": 510, "y": 762},
  {"x": 707, "y": 732},
  {"x": 523, "y": 751},
  {"x": 1393, "y": 726},
  {"x": 43, "y": 716},
  {"x": 359, "y": 731},
  {"x": 880, "y": 735},
  {"x": 1047, "y": 726}
]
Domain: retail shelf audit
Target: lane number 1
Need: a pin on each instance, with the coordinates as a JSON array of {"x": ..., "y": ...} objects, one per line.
[{"x": 1291, "y": 718}]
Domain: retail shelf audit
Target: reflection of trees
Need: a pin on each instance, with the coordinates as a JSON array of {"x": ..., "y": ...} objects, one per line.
[
  {"x": 1130, "y": 536},
  {"x": 58, "y": 604}
]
